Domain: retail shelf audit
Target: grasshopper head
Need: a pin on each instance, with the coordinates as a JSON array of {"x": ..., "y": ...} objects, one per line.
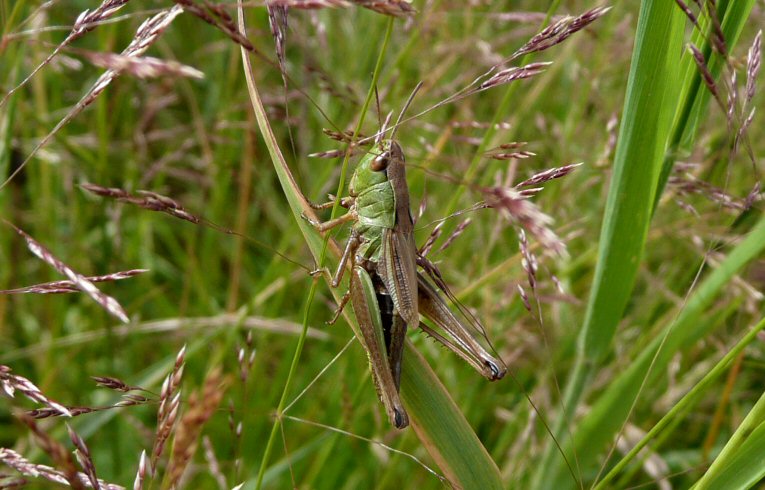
[{"x": 391, "y": 152}]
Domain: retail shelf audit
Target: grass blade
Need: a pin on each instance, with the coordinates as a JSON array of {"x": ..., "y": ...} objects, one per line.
[
  {"x": 438, "y": 423},
  {"x": 739, "y": 465},
  {"x": 647, "y": 116}
]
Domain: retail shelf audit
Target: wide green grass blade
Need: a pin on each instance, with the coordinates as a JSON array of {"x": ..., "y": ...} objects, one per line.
[
  {"x": 646, "y": 119},
  {"x": 442, "y": 429},
  {"x": 440, "y": 425},
  {"x": 647, "y": 115},
  {"x": 740, "y": 464}
]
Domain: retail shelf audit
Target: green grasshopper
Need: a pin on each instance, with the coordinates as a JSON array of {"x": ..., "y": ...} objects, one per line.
[{"x": 386, "y": 291}]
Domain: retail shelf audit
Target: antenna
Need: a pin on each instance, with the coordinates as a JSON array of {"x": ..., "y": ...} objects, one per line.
[{"x": 406, "y": 106}]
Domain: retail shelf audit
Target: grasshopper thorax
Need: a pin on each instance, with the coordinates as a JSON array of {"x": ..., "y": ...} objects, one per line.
[{"x": 373, "y": 167}]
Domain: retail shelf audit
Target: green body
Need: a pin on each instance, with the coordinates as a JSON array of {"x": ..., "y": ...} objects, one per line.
[
  {"x": 375, "y": 205},
  {"x": 383, "y": 258}
]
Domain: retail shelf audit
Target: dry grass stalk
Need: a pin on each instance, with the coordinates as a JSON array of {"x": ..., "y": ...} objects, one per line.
[
  {"x": 157, "y": 202},
  {"x": 145, "y": 36},
  {"x": 559, "y": 31},
  {"x": 528, "y": 261},
  {"x": 513, "y": 73},
  {"x": 201, "y": 407},
  {"x": 688, "y": 13},
  {"x": 346, "y": 136},
  {"x": 61, "y": 287},
  {"x": 57, "y": 452},
  {"x": 169, "y": 402},
  {"x": 354, "y": 150},
  {"x": 277, "y": 20},
  {"x": 396, "y": 8},
  {"x": 128, "y": 400},
  {"x": 309, "y": 4},
  {"x": 718, "y": 39},
  {"x": 82, "y": 453},
  {"x": 753, "y": 196},
  {"x": 524, "y": 298},
  {"x": 514, "y": 205},
  {"x": 706, "y": 76},
  {"x": 19, "y": 463},
  {"x": 114, "y": 384},
  {"x": 550, "y": 174},
  {"x": 687, "y": 184},
  {"x": 434, "y": 235},
  {"x": 86, "y": 22},
  {"x": 753, "y": 60},
  {"x": 140, "y": 66},
  {"x": 81, "y": 282},
  {"x": 11, "y": 383},
  {"x": 145, "y": 199},
  {"x": 459, "y": 230},
  {"x": 216, "y": 16}
]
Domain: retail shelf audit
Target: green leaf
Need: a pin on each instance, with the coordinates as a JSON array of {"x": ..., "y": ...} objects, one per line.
[{"x": 649, "y": 108}]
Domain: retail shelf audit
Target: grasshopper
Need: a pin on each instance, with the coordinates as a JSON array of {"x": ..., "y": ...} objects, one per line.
[{"x": 386, "y": 291}]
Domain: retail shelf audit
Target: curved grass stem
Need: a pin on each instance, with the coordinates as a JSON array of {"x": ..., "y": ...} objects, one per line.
[{"x": 276, "y": 155}]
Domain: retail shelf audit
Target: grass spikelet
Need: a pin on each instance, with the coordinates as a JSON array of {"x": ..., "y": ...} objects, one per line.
[
  {"x": 688, "y": 13},
  {"x": 217, "y": 17},
  {"x": 153, "y": 201},
  {"x": 529, "y": 260},
  {"x": 143, "y": 67},
  {"x": 144, "y": 37},
  {"x": 82, "y": 453},
  {"x": 753, "y": 61},
  {"x": 309, "y": 4},
  {"x": 277, "y": 20},
  {"x": 395, "y": 8},
  {"x": 86, "y": 22},
  {"x": 62, "y": 287},
  {"x": 201, "y": 407},
  {"x": 81, "y": 282},
  {"x": 14, "y": 460},
  {"x": 434, "y": 235},
  {"x": 459, "y": 230},
  {"x": 145, "y": 199},
  {"x": 559, "y": 31},
  {"x": 114, "y": 384},
  {"x": 11, "y": 383},
  {"x": 515, "y": 206},
  {"x": 57, "y": 452},
  {"x": 514, "y": 73},
  {"x": 141, "y": 473},
  {"x": 548, "y": 175},
  {"x": 213, "y": 464},
  {"x": 169, "y": 402},
  {"x": 706, "y": 76}
]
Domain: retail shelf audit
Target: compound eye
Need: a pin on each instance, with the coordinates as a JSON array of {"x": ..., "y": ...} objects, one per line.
[{"x": 381, "y": 162}]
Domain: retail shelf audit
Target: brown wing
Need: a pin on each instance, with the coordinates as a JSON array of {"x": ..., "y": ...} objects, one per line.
[
  {"x": 398, "y": 270},
  {"x": 398, "y": 261}
]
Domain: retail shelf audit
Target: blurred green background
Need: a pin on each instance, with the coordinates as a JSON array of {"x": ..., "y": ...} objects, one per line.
[{"x": 196, "y": 141}]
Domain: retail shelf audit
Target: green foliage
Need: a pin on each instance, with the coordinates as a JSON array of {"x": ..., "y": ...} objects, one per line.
[{"x": 636, "y": 345}]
